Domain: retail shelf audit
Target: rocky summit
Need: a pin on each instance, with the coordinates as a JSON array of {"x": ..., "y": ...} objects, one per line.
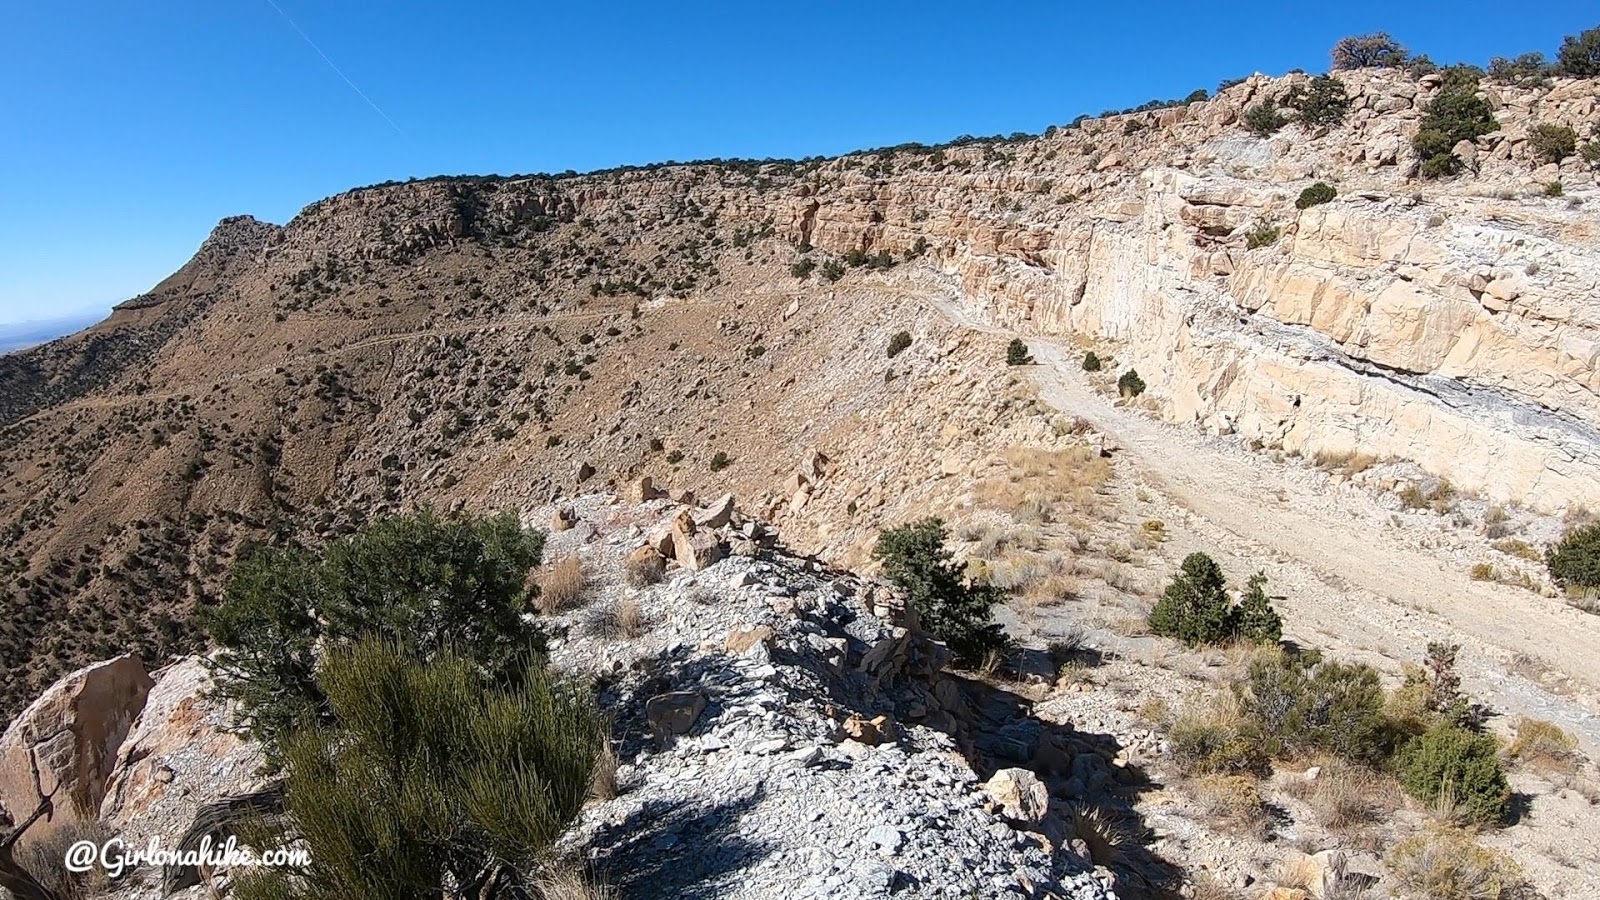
[{"x": 1193, "y": 501}]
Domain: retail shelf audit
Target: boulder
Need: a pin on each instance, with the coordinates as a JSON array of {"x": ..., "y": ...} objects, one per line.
[
  {"x": 1021, "y": 795},
  {"x": 674, "y": 713},
  {"x": 872, "y": 732},
  {"x": 697, "y": 550},
  {"x": 64, "y": 745},
  {"x": 583, "y": 473},
  {"x": 716, "y": 515}
]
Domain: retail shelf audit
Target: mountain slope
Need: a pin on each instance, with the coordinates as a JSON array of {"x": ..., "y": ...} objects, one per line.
[{"x": 474, "y": 340}]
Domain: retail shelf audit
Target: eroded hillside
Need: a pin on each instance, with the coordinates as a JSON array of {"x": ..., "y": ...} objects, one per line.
[{"x": 494, "y": 341}]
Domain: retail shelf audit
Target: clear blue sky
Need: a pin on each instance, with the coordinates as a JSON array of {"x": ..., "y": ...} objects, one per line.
[{"x": 130, "y": 128}]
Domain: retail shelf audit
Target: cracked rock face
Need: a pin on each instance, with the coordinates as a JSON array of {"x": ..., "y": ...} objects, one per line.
[{"x": 64, "y": 746}]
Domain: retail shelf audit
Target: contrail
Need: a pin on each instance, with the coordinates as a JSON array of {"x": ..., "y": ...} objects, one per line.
[{"x": 313, "y": 44}]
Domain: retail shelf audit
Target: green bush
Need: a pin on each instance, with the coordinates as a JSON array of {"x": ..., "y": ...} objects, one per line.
[
  {"x": 1264, "y": 119},
  {"x": 1455, "y": 114},
  {"x": 898, "y": 343},
  {"x": 1321, "y": 102},
  {"x": 1258, "y": 622},
  {"x": 803, "y": 268},
  {"x": 1130, "y": 384},
  {"x": 1574, "y": 561},
  {"x": 950, "y": 607},
  {"x": 424, "y": 582},
  {"x": 1265, "y": 234},
  {"x": 1017, "y": 353},
  {"x": 1195, "y": 608},
  {"x": 1305, "y": 703},
  {"x": 832, "y": 270},
  {"x": 1554, "y": 189},
  {"x": 427, "y": 774},
  {"x": 1315, "y": 195},
  {"x": 1528, "y": 69},
  {"x": 1091, "y": 362},
  {"x": 1365, "y": 51},
  {"x": 720, "y": 460},
  {"x": 1553, "y": 143},
  {"x": 1579, "y": 56},
  {"x": 1449, "y": 765}
]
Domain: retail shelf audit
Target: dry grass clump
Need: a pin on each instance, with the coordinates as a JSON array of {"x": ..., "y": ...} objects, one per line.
[
  {"x": 567, "y": 882},
  {"x": 644, "y": 570},
  {"x": 1546, "y": 745},
  {"x": 1345, "y": 797},
  {"x": 45, "y": 859},
  {"x": 563, "y": 585},
  {"x": 1217, "y": 739},
  {"x": 1349, "y": 462},
  {"x": 624, "y": 619},
  {"x": 1043, "y": 485},
  {"x": 603, "y": 780},
  {"x": 1519, "y": 548},
  {"x": 1233, "y": 802},
  {"x": 1450, "y": 865}
]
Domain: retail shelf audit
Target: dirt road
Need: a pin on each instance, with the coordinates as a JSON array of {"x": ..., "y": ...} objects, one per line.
[{"x": 1356, "y": 584}]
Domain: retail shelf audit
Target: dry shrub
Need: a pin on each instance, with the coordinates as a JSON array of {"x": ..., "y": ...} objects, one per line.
[
  {"x": 1109, "y": 835},
  {"x": 45, "y": 859},
  {"x": 624, "y": 619},
  {"x": 1206, "y": 886},
  {"x": 1545, "y": 744},
  {"x": 1233, "y": 802},
  {"x": 1349, "y": 462},
  {"x": 644, "y": 570},
  {"x": 1217, "y": 739},
  {"x": 562, "y": 585},
  {"x": 567, "y": 882},
  {"x": 603, "y": 782},
  {"x": 1346, "y": 797},
  {"x": 1519, "y": 548},
  {"x": 1450, "y": 865},
  {"x": 1042, "y": 484}
]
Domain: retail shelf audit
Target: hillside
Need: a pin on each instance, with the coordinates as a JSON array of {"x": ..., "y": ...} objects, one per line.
[{"x": 474, "y": 340}]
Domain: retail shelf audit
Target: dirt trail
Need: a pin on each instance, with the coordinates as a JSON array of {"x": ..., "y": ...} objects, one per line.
[{"x": 1355, "y": 584}]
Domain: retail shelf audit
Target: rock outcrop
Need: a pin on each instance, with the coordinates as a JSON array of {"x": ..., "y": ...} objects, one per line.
[{"x": 63, "y": 748}]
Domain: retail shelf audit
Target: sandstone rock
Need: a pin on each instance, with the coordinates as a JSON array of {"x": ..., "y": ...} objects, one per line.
[
  {"x": 1021, "y": 795},
  {"x": 872, "y": 732},
  {"x": 740, "y": 641},
  {"x": 674, "y": 713},
  {"x": 64, "y": 745},
  {"x": 718, "y": 514}
]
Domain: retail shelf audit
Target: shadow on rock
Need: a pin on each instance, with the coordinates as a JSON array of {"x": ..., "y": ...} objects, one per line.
[
  {"x": 1092, "y": 784},
  {"x": 666, "y": 850}
]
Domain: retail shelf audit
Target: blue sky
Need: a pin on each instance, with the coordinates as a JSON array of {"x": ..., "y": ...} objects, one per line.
[{"x": 129, "y": 129}]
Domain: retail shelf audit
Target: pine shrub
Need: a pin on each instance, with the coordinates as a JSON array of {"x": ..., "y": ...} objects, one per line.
[
  {"x": 425, "y": 582},
  {"x": 1130, "y": 384},
  {"x": 950, "y": 607},
  {"x": 1091, "y": 362},
  {"x": 1258, "y": 622},
  {"x": 898, "y": 343},
  {"x": 1553, "y": 143},
  {"x": 1264, "y": 119},
  {"x": 1195, "y": 608},
  {"x": 1017, "y": 353},
  {"x": 1452, "y": 767},
  {"x": 1315, "y": 195},
  {"x": 1574, "y": 562}
]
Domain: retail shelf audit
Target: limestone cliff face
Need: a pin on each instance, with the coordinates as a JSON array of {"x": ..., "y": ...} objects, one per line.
[{"x": 1450, "y": 323}]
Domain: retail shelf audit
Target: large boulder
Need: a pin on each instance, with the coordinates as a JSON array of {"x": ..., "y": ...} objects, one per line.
[{"x": 64, "y": 745}]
